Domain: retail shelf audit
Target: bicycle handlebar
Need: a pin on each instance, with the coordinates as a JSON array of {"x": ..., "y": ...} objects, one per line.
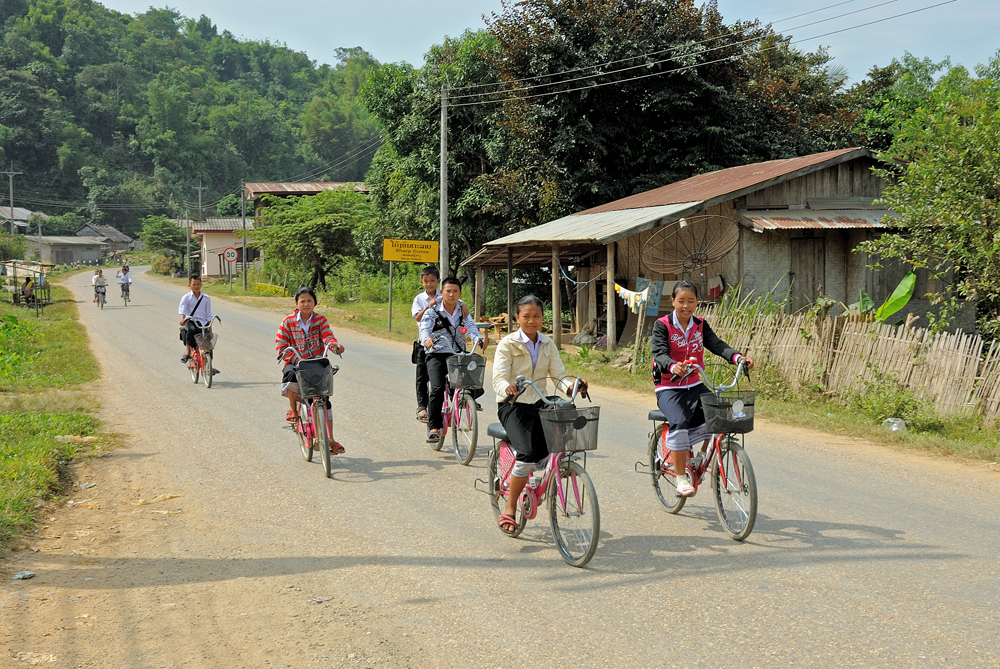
[
  {"x": 438, "y": 337},
  {"x": 521, "y": 382},
  {"x": 326, "y": 351},
  {"x": 740, "y": 366}
]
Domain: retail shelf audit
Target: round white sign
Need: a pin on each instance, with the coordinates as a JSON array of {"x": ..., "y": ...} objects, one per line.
[{"x": 229, "y": 254}]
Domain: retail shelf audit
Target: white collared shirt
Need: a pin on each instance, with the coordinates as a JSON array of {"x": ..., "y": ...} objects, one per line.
[
  {"x": 677, "y": 324},
  {"x": 305, "y": 324},
  {"x": 533, "y": 346},
  {"x": 422, "y": 300},
  {"x": 203, "y": 315}
]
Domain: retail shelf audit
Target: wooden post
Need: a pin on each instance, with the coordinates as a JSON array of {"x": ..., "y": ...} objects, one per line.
[
  {"x": 510, "y": 290},
  {"x": 556, "y": 299},
  {"x": 612, "y": 299},
  {"x": 480, "y": 295}
]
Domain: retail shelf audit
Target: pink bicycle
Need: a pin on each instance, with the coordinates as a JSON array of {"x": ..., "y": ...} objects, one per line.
[
  {"x": 314, "y": 427},
  {"x": 574, "y": 513},
  {"x": 728, "y": 412},
  {"x": 466, "y": 373}
]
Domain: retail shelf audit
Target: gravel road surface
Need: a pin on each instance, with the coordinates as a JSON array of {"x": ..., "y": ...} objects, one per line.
[{"x": 862, "y": 556}]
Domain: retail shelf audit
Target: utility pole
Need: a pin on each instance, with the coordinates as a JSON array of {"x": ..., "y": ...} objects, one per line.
[
  {"x": 10, "y": 175},
  {"x": 443, "y": 251},
  {"x": 187, "y": 226},
  {"x": 243, "y": 215}
]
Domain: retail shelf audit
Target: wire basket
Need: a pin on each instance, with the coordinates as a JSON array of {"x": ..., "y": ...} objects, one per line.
[
  {"x": 569, "y": 429},
  {"x": 315, "y": 379},
  {"x": 206, "y": 342},
  {"x": 728, "y": 411},
  {"x": 466, "y": 371}
]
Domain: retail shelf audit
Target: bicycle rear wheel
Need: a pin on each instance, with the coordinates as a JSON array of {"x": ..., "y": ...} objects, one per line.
[
  {"x": 206, "y": 371},
  {"x": 305, "y": 443},
  {"x": 465, "y": 431},
  {"x": 193, "y": 365},
  {"x": 498, "y": 498},
  {"x": 736, "y": 500},
  {"x": 575, "y": 517},
  {"x": 322, "y": 435},
  {"x": 664, "y": 484}
]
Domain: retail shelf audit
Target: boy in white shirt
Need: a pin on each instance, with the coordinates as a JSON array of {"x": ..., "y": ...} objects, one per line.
[
  {"x": 195, "y": 312},
  {"x": 429, "y": 278}
]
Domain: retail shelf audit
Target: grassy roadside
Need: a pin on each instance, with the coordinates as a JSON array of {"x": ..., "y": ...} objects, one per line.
[
  {"x": 40, "y": 399},
  {"x": 956, "y": 437}
]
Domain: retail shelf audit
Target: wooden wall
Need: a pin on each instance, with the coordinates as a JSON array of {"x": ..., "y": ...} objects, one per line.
[{"x": 851, "y": 179}]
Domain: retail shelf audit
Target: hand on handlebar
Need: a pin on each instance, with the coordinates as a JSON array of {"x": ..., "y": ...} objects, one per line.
[{"x": 682, "y": 368}]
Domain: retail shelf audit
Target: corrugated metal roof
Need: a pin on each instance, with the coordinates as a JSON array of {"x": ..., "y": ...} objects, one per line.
[
  {"x": 597, "y": 228},
  {"x": 107, "y": 231},
  {"x": 805, "y": 219},
  {"x": 75, "y": 241},
  {"x": 20, "y": 213},
  {"x": 222, "y": 224},
  {"x": 296, "y": 188},
  {"x": 714, "y": 187}
]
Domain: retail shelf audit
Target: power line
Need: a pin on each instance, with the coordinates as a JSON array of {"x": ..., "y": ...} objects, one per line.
[
  {"x": 673, "y": 47},
  {"x": 678, "y": 50},
  {"x": 513, "y": 96}
]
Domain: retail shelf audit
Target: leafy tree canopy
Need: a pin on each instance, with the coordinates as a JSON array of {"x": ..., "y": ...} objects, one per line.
[
  {"x": 159, "y": 234},
  {"x": 944, "y": 181},
  {"x": 99, "y": 108},
  {"x": 311, "y": 233}
]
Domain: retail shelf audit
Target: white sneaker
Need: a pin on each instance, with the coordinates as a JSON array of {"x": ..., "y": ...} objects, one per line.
[{"x": 684, "y": 487}]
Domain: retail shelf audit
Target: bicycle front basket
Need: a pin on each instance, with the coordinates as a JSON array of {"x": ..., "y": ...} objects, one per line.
[
  {"x": 728, "y": 411},
  {"x": 466, "y": 370},
  {"x": 569, "y": 429},
  {"x": 206, "y": 342},
  {"x": 315, "y": 379}
]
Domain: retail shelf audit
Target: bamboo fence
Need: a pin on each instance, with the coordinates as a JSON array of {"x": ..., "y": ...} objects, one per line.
[{"x": 956, "y": 372}]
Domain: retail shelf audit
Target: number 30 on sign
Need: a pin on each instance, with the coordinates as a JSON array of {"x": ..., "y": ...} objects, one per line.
[{"x": 229, "y": 255}]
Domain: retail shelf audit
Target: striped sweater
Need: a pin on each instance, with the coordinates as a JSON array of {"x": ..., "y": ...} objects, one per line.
[{"x": 310, "y": 345}]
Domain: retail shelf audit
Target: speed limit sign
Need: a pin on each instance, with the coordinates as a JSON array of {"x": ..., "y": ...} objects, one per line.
[{"x": 229, "y": 254}]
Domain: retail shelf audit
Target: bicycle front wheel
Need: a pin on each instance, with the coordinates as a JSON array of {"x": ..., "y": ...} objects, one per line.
[
  {"x": 664, "y": 483},
  {"x": 322, "y": 435},
  {"x": 305, "y": 443},
  {"x": 574, "y": 514},
  {"x": 206, "y": 372},
  {"x": 465, "y": 431},
  {"x": 193, "y": 366},
  {"x": 498, "y": 499},
  {"x": 736, "y": 497}
]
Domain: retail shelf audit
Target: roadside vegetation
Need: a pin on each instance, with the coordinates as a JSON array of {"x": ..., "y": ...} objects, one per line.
[{"x": 44, "y": 363}]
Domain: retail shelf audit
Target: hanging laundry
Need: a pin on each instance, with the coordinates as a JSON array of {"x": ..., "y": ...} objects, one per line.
[
  {"x": 716, "y": 287},
  {"x": 632, "y": 299}
]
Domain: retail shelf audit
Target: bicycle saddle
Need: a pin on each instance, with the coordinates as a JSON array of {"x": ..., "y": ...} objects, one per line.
[
  {"x": 656, "y": 414},
  {"x": 496, "y": 431}
]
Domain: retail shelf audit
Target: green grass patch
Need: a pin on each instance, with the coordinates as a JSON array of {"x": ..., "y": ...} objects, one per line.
[
  {"x": 47, "y": 358},
  {"x": 32, "y": 462}
]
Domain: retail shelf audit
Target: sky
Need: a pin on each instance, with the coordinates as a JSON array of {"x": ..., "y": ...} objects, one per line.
[{"x": 403, "y": 30}]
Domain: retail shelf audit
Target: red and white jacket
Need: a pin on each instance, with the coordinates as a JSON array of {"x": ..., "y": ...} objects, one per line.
[
  {"x": 672, "y": 344},
  {"x": 310, "y": 345}
]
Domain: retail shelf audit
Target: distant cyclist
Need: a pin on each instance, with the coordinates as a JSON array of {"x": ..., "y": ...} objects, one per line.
[
  {"x": 195, "y": 312},
  {"x": 100, "y": 285},
  {"x": 126, "y": 280}
]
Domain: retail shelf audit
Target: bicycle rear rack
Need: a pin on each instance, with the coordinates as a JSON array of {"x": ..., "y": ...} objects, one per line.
[
  {"x": 475, "y": 486},
  {"x": 639, "y": 463}
]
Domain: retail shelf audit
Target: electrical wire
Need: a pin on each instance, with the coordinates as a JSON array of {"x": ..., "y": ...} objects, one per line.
[
  {"x": 662, "y": 51},
  {"x": 512, "y": 97}
]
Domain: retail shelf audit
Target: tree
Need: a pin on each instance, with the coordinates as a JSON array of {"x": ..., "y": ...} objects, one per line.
[
  {"x": 944, "y": 184},
  {"x": 311, "y": 233},
  {"x": 159, "y": 234},
  {"x": 229, "y": 205},
  {"x": 63, "y": 224}
]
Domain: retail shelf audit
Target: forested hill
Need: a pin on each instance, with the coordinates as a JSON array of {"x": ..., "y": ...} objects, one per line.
[{"x": 101, "y": 107}]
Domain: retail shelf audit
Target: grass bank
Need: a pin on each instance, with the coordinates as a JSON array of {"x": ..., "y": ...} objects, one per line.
[
  {"x": 43, "y": 363},
  {"x": 953, "y": 437}
]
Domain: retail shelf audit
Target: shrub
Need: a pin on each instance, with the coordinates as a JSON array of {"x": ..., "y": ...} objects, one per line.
[
  {"x": 885, "y": 397},
  {"x": 15, "y": 337},
  {"x": 373, "y": 288},
  {"x": 163, "y": 264}
]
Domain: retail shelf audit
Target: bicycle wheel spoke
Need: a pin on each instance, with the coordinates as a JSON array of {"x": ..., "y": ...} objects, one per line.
[{"x": 574, "y": 514}]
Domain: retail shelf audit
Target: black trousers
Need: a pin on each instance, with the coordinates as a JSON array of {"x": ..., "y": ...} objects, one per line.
[
  {"x": 188, "y": 331},
  {"x": 422, "y": 379},
  {"x": 524, "y": 430},
  {"x": 437, "y": 370}
]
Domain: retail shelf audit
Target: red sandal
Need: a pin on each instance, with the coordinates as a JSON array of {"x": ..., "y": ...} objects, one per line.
[
  {"x": 292, "y": 416},
  {"x": 507, "y": 524}
]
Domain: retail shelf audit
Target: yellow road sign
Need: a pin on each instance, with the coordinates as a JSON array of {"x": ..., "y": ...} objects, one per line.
[{"x": 409, "y": 250}]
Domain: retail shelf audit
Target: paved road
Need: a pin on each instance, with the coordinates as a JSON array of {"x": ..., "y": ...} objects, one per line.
[{"x": 861, "y": 556}]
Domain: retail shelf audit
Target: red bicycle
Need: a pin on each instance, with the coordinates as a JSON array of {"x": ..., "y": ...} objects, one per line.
[
  {"x": 728, "y": 413},
  {"x": 200, "y": 362}
]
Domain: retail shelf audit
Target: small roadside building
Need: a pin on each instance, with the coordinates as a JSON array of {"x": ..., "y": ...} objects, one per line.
[
  {"x": 113, "y": 237},
  {"x": 214, "y": 236},
  {"x": 789, "y": 228},
  {"x": 21, "y": 218},
  {"x": 57, "y": 250}
]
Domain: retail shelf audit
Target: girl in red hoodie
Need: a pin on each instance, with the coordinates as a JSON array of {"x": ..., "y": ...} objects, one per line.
[{"x": 677, "y": 337}]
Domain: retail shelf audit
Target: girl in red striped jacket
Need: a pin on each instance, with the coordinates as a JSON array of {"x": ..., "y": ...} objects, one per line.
[
  {"x": 678, "y": 337},
  {"x": 308, "y": 332}
]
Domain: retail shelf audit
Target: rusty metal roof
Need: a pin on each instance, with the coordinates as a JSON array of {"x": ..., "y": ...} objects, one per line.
[
  {"x": 304, "y": 188},
  {"x": 714, "y": 187},
  {"x": 811, "y": 219},
  {"x": 597, "y": 228}
]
